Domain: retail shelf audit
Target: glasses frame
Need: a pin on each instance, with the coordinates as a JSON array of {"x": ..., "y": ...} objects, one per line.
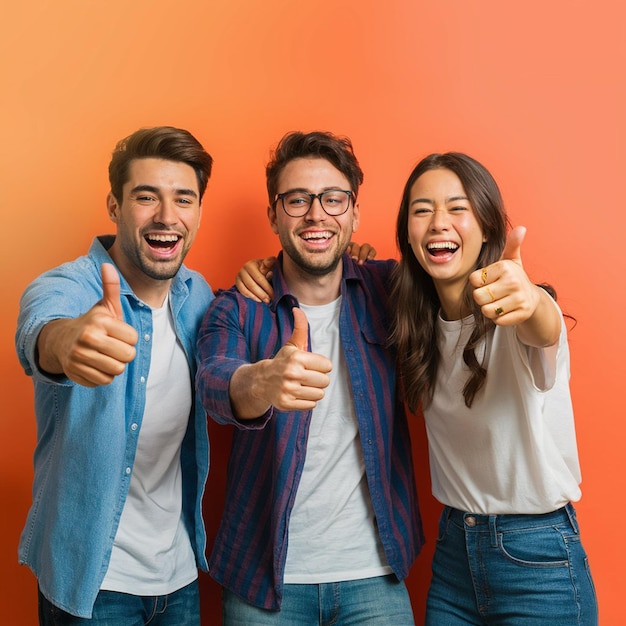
[{"x": 312, "y": 198}]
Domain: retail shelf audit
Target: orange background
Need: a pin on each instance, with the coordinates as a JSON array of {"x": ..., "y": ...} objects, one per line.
[{"x": 535, "y": 90}]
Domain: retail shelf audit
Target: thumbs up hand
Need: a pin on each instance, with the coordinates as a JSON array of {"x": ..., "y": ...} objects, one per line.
[
  {"x": 95, "y": 347},
  {"x": 297, "y": 378},
  {"x": 111, "y": 291},
  {"x": 294, "y": 380},
  {"x": 503, "y": 290},
  {"x": 508, "y": 297}
]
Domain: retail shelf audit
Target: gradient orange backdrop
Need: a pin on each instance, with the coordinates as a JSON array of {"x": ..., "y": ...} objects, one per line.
[{"x": 535, "y": 90}]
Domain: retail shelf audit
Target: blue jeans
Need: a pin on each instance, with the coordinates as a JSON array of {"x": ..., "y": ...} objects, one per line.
[
  {"x": 181, "y": 608},
  {"x": 521, "y": 570},
  {"x": 380, "y": 601}
]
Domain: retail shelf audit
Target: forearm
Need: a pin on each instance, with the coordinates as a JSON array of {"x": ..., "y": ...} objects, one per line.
[
  {"x": 247, "y": 391},
  {"x": 543, "y": 327},
  {"x": 49, "y": 344}
]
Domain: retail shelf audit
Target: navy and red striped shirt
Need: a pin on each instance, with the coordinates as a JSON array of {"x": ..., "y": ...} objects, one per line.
[{"x": 267, "y": 455}]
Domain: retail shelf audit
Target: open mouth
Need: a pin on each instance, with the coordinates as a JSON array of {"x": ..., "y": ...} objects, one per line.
[
  {"x": 321, "y": 235},
  {"x": 442, "y": 248},
  {"x": 162, "y": 242}
]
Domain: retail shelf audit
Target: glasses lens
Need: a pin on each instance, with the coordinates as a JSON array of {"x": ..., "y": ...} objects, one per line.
[
  {"x": 335, "y": 202},
  {"x": 296, "y": 203}
]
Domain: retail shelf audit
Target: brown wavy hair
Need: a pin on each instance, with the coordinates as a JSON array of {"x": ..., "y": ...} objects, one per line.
[
  {"x": 337, "y": 150},
  {"x": 415, "y": 301},
  {"x": 160, "y": 142}
]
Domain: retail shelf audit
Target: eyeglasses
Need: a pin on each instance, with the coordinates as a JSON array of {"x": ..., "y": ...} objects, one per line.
[{"x": 298, "y": 203}]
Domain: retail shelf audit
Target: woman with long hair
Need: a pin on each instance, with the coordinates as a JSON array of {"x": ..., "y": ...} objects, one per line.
[{"x": 483, "y": 353}]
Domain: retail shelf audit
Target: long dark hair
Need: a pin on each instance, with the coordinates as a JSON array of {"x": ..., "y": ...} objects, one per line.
[{"x": 415, "y": 300}]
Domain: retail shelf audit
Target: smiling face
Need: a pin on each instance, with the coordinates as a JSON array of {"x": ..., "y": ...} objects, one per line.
[
  {"x": 313, "y": 244},
  {"x": 444, "y": 233},
  {"x": 157, "y": 220}
]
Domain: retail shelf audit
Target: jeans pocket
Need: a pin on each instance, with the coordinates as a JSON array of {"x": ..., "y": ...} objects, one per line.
[{"x": 535, "y": 547}]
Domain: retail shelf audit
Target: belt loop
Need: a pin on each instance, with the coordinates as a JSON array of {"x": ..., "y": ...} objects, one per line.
[
  {"x": 493, "y": 530},
  {"x": 571, "y": 513}
]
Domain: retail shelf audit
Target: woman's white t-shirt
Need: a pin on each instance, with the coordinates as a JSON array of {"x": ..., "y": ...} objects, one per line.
[{"x": 514, "y": 450}]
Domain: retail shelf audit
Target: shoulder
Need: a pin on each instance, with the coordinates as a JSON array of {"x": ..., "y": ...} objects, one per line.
[
  {"x": 79, "y": 278},
  {"x": 373, "y": 276},
  {"x": 195, "y": 284},
  {"x": 373, "y": 268},
  {"x": 231, "y": 302}
]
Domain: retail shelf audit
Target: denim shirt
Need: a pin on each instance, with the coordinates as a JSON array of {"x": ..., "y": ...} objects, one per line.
[
  {"x": 87, "y": 437},
  {"x": 268, "y": 453}
]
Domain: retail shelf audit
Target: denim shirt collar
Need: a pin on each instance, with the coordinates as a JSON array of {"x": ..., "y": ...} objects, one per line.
[{"x": 179, "y": 289}]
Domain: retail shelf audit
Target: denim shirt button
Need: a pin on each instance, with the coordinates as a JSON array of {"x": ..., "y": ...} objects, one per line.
[
  {"x": 128, "y": 470},
  {"x": 133, "y": 426},
  {"x": 470, "y": 520},
  {"x": 143, "y": 379},
  {"x": 146, "y": 337}
]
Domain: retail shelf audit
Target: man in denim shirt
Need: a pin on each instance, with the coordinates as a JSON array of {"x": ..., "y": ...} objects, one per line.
[
  {"x": 321, "y": 520},
  {"x": 115, "y": 532}
]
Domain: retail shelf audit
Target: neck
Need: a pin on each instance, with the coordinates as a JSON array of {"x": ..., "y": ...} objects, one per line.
[
  {"x": 451, "y": 301},
  {"x": 152, "y": 291},
  {"x": 312, "y": 289}
]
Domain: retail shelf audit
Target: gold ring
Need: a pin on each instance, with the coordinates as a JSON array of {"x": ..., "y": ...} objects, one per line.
[
  {"x": 499, "y": 311},
  {"x": 484, "y": 275},
  {"x": 490, "y": 293}
]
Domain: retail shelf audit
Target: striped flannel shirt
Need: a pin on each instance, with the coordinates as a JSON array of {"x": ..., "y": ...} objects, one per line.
[{"x": 267, "y": 455}]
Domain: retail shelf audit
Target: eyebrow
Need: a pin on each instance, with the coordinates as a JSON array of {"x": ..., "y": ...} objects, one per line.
[
  {"x": 429, "y": 201},
  {"x": 156, "y": 190},
  {"x": 303, "y": 189}
]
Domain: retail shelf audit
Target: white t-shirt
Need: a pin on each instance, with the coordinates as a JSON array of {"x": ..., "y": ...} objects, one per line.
[
  {"x": 332, "y": 529},
  {"x": 152, "y": 553},
  {"x": 515, "y": 450}
]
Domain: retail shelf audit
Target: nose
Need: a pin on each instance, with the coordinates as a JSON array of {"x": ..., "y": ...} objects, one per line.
[
  {"x": 439, "y": 219},
  {"x": 166, "y": 212},
  {"x": 316, "y": 212}
]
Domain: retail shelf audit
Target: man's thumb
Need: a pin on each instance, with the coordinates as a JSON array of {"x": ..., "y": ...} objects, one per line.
[
  {"x": 300, "y": 336},
  {"x": 513, "y": 248},
  {"x": 111, "y": 290}
]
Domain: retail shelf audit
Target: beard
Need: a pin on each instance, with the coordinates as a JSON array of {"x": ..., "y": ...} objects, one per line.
[
  {"x": 313, "y": 264},
  {"x": 157, "y": 270}
]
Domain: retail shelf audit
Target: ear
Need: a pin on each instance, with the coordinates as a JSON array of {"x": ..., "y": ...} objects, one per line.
[
  {"x": 113, "y": 207},
  {"x": 200, "y": 206},
  {"x": 356, "y": 217},
  {"x": 271, "y": 216}
]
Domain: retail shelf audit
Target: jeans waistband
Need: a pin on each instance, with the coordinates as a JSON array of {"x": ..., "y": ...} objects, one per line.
[{"x": 502, "y": 523}]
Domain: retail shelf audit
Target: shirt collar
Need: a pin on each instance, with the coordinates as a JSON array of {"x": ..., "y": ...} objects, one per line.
[{"x": 281, "y": 289}]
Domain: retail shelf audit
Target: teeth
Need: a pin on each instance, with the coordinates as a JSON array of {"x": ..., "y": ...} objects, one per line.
[
  {"x": 442, "y": 245},
  {"x": 319, "y": 235},
  {"x": 163, "y": 238}
]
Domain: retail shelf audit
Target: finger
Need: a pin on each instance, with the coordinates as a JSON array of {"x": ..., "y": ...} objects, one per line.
[
  {"x": 300, "y": 336},
  {"x": 249, "y": 288},
  {"x": 111, "y": 290},
  {"x": 252, "y": 281},
  {"x": 513, "y": 248},
  {"x": 361, "y": 253},
  {"x": 366, "y": 252},
  {"x": 267, "y": 264},
  {"x": 483, "y": 276}
]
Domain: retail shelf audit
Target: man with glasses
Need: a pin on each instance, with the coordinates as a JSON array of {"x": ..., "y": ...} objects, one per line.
[{"x": 321, "y": 521}]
